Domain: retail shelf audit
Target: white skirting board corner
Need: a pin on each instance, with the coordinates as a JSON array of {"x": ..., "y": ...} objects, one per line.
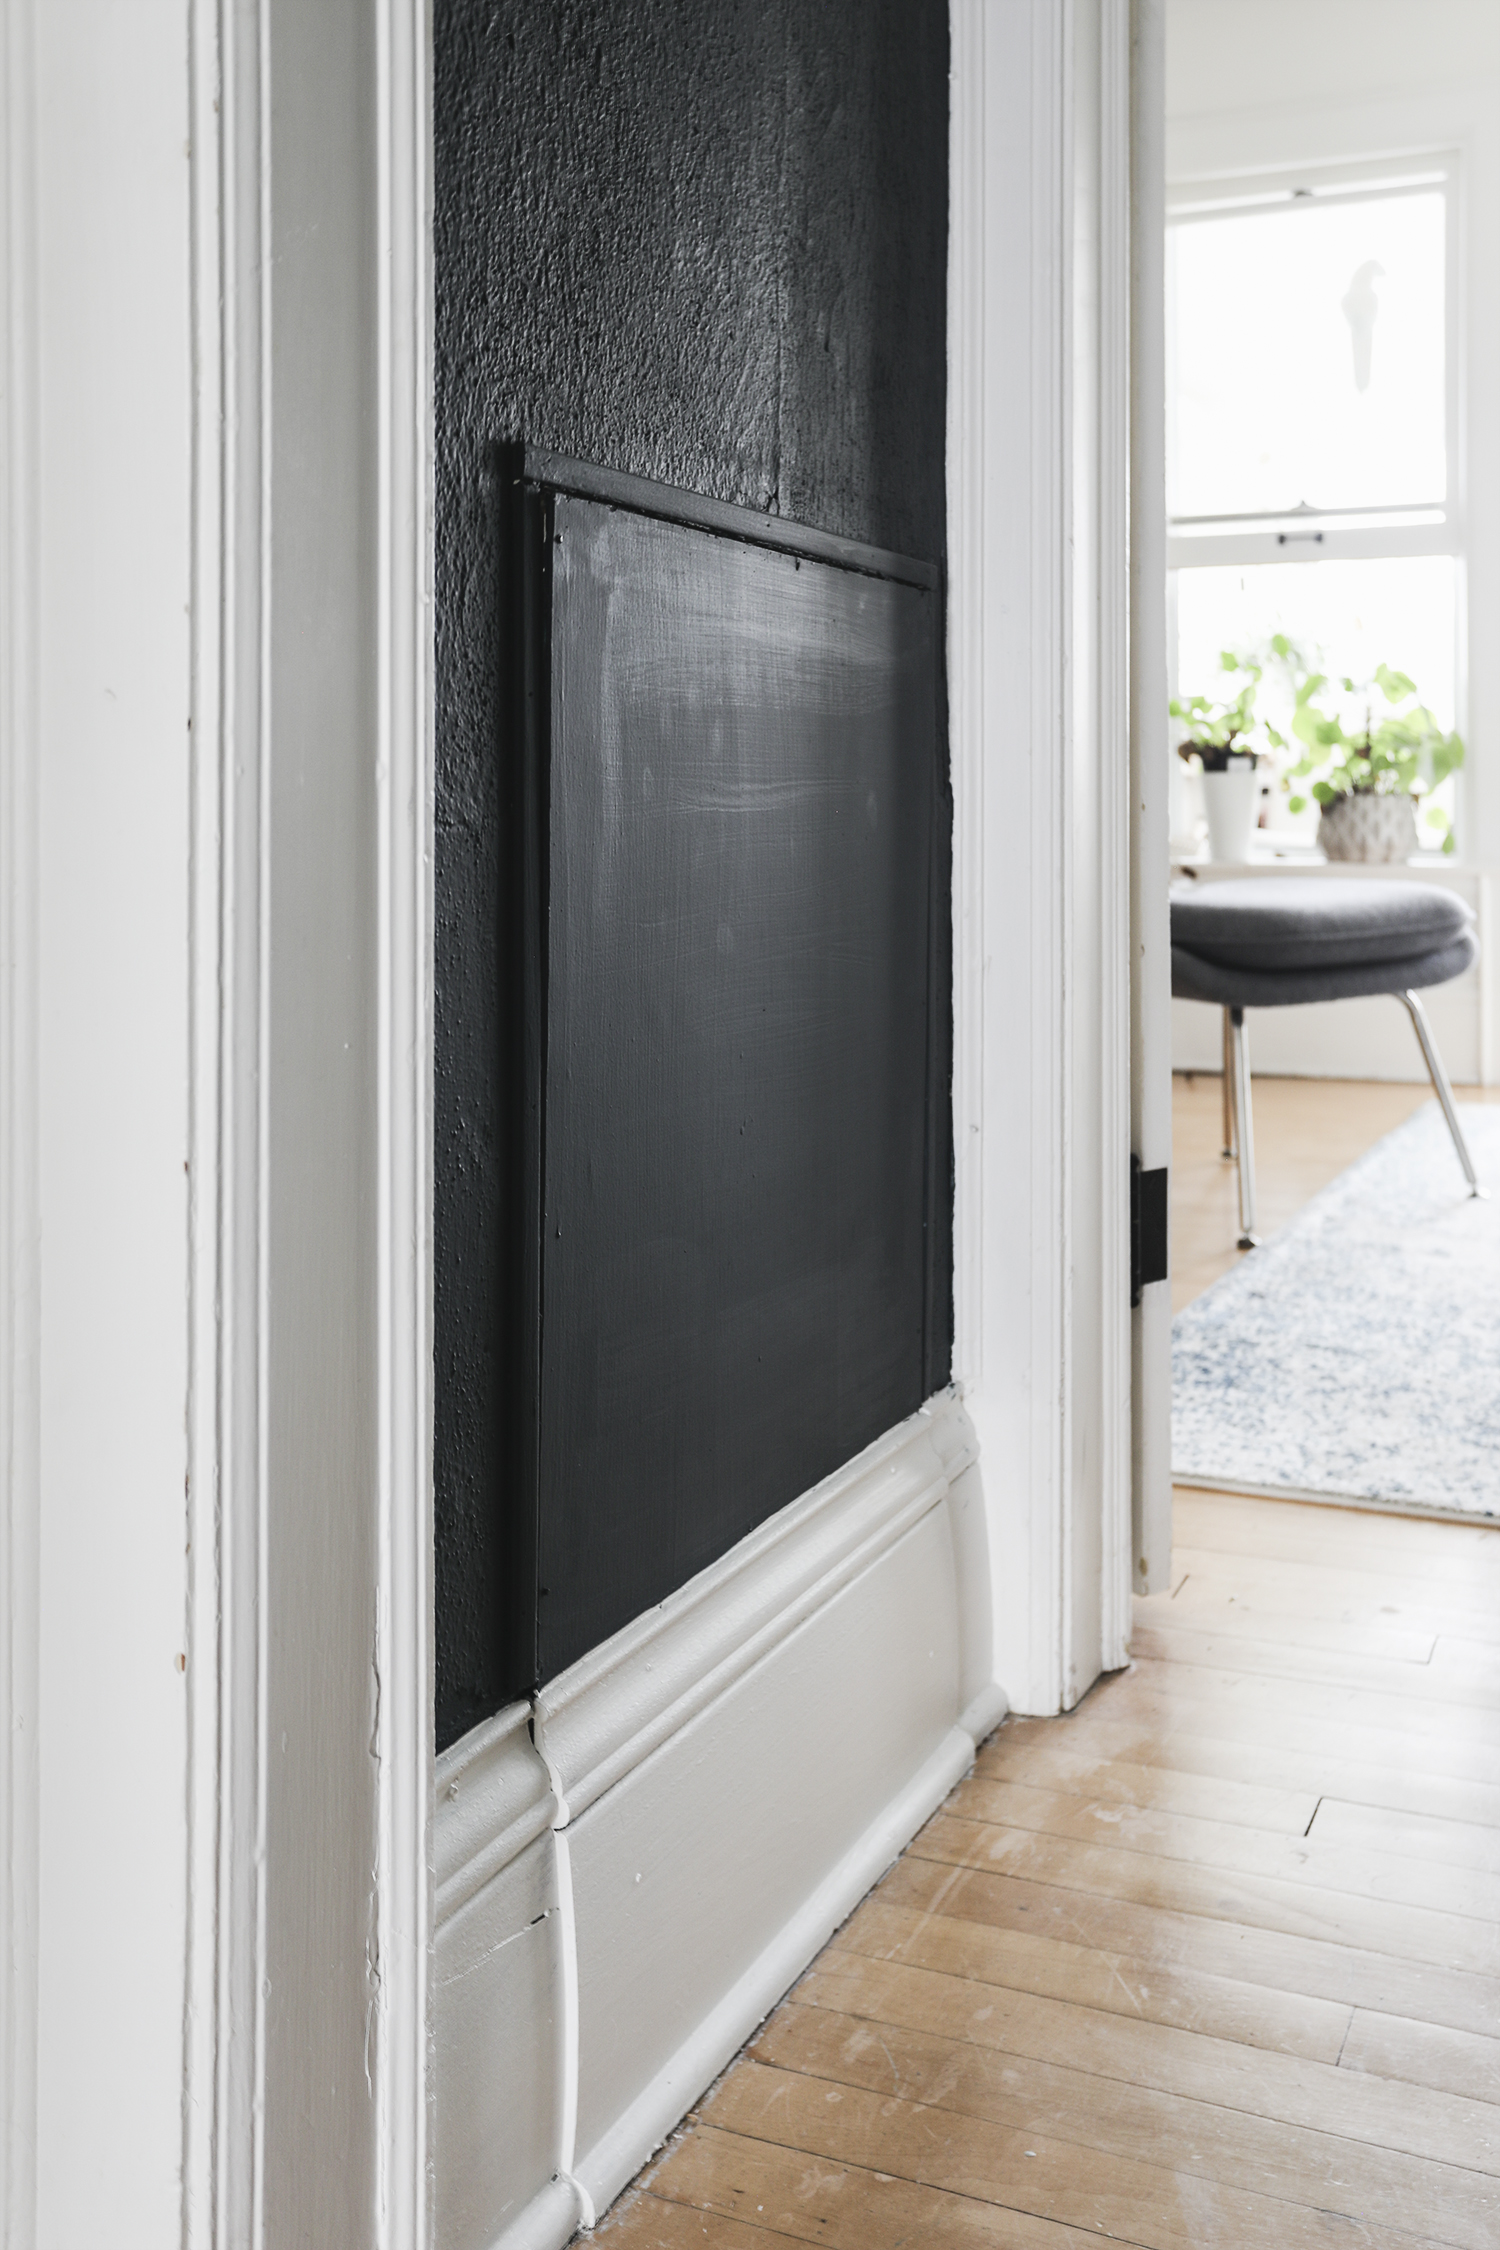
[
  {"x": 985, "y": 1713},
  {"x": 614, "y": 2161}
]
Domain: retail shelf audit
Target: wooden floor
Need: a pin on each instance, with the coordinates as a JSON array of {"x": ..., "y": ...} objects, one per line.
[{"x": 1213, "y": 1961}]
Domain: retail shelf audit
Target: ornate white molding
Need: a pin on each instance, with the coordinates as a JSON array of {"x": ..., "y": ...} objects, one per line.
[{"x": 492, "y": 1797}]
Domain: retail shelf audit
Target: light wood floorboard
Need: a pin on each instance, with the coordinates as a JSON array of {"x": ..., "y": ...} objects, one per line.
[{"x": 1213, "y": 1962}]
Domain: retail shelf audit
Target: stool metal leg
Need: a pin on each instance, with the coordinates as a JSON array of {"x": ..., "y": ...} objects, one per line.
[
  {"x": 1441, "y": 1087},
  {"x": 1229, "y": 1148},
  {"x": 1244, "y": 1131}
]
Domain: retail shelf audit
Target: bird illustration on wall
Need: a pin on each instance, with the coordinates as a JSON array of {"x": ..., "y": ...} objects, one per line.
[{"x": 1361, "y": 304}]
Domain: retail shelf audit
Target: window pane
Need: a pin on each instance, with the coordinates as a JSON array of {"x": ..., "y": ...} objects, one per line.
[
  {"x": 1307, "y": 353},
  {"x": 1350, "y": 616}
]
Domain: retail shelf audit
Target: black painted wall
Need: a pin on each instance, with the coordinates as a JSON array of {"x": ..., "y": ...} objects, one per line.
[{"x": 699, "y": 240}]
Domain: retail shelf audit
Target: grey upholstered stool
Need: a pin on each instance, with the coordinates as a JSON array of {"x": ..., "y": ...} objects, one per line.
[{"x": 1278, "y": 941}]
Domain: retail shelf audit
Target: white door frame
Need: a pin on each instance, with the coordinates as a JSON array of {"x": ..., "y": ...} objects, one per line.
[
  {"x": 351, "y": 166},
  {"x": 1150, "y": 780},
  {"x": 1038, "y": 483}
]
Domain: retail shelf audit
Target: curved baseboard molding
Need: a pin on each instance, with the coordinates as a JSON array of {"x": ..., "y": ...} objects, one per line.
[
  {"x": 632, "y": 1872},
  {"x": 552, "y": 2217}
]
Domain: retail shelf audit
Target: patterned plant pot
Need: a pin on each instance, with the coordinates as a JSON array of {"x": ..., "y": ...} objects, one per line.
[{"x": 1378, "y": 830}]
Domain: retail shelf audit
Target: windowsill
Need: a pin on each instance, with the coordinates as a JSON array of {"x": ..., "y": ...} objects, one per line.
[{"x": 1289, "y": 858}]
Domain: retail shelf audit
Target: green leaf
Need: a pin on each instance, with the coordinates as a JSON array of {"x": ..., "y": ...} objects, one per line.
[{"x": 1395, "y": 686}]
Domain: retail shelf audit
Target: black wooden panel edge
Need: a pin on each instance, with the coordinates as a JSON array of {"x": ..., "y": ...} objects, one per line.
[
  {"x": 644, "y": 497},
  {"x": 937, "y": 1338},
  {"x": 528, "y": 526}
]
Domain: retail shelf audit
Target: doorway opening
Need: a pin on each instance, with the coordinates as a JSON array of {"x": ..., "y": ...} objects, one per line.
[{"x": 1333, "y": 496}]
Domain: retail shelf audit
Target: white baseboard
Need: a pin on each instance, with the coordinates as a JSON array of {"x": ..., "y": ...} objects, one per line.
[
  {"x": 553, "y": 2216},
  {"x": 616, "y": 2158},
  {"x": 630, "y": 1875}
]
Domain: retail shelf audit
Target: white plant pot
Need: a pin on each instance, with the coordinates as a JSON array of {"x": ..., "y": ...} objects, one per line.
[
  {"x": 1379, "y": 831},
  {"x": 1231, "y": 801}
]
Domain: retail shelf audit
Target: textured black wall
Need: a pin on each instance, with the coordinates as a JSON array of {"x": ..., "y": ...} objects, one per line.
[{"x": 703, "y": 241}]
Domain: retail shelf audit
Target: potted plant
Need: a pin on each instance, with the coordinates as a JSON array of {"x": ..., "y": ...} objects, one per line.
[
  {"x": 1218, "y": 740},
  {"x": 1370, "y": 782}
]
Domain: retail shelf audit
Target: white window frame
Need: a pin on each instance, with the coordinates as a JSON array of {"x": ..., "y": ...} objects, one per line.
[
  {"x": 1310, "y": 536},
  {"x": 1432, "y": 527}
]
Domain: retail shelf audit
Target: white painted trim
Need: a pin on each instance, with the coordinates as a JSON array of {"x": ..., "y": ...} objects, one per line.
[
  {"x": 615, "y": 1706},
  {"x": 1038, "y": 587},
  {"x": 612, "y": 2162},
  {"x": 404, "y": 1591},
  {"x": 20, "y": 1495},
  {"x": 249, "y": 1824},
  {"x": 1151, "y": 756},
  {"x": 650, "y": 1719},
  {"x": 1007, "y": 1129},
  {"x": 619, "y": 1703},
  {"x": 227, "y": 1501},
  {"x": 491, "y": 1799},
  {"x": 1110, "y": 595}
]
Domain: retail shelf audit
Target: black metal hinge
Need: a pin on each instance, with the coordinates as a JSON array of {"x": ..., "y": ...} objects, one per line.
[{"x": 1148, "y": 1228}]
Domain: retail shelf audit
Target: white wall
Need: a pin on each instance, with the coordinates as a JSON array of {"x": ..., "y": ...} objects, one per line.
[
  {"x": 201, "y": 764},
  {"x": 112, "y": 591},
  {"x": 1296, "y": 81},
  {"x": 1222, "y": 56}
]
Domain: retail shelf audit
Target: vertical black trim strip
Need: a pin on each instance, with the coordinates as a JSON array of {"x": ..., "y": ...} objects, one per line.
[
  {"x": 530, "y": 549},
  {"x": 937, "y": 1321}
]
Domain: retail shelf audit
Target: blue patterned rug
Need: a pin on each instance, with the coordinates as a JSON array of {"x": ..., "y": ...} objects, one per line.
[{"x": 1356, "y": 1355}]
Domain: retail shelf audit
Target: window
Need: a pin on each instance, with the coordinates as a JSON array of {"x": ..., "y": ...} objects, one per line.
[{"x": 1313, "y": 467}]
